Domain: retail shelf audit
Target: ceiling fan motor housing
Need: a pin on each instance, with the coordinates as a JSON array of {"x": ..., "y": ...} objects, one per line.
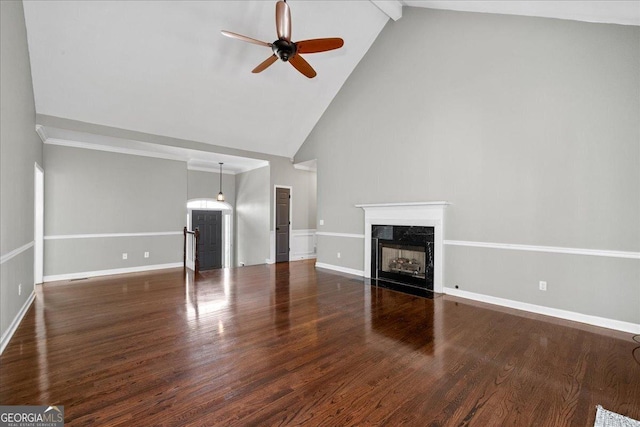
[{"x": 284, "y": 49}]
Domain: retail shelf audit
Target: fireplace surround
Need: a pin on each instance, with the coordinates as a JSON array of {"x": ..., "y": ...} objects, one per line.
[{"x": 425, "y": 214}]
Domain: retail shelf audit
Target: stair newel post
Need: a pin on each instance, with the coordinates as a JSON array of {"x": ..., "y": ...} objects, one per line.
[
  {"x": 184, "y": 249},
  {"x": 197, "y": 262}
]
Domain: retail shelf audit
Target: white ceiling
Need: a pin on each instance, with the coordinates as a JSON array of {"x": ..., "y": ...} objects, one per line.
[
  {"x": 626, "y": 12},
  {"x": 163, "y": 68}
]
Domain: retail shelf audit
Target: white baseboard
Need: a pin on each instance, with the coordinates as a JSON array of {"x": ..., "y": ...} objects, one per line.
[
  {"x": 85, "y": 274},
  {"x": 6, "y": 337},
  {"x": 548, "y": 311},
  {"x": 340, "y": 269},
  {"x": 298, "y": 257},
  {"x": 292, "y": 257}
]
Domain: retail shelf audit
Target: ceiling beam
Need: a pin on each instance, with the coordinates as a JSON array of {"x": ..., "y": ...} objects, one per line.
[{"x": 391, "y": 8}]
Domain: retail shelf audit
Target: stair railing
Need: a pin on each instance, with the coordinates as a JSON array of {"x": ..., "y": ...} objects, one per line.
[{"x": 196, "y": 236}]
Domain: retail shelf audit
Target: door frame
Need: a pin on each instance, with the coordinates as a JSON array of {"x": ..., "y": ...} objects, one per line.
[
  {"x": 227, "y": 229},
  {"x": 223, "y": 242},
  {"x": 272, "y": 259},
  {"x": 38, "y": 224}
]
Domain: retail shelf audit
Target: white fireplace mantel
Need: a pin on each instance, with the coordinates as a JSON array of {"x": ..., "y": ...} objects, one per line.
[{"x": 426, "y": 214}]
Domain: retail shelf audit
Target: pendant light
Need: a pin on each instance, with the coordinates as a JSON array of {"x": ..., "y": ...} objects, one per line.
[{"x": 220, "y": 195}]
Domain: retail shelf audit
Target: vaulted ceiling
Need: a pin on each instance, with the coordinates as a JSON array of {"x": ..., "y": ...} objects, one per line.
[{"x": 163, "y": 68}]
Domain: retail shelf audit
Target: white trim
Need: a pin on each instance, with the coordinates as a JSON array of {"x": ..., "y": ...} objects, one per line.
[
  {"x": 548, "y": 311},
  {"x": 112, "y": 149},
  {"x": 340, "y": 269},
  {"x": 403, "y": 204},
  {"x": 549, "y": 249},
  {"x": 41, "y": 133},
  {"x": 304, "y": 232},
  {"x": 38, "y": 223},
  {"x": 97, "y": 236},
  {"x": 227, "y": 231},
  {"x": 210, "y": 205},
  {"x": 304, "y": 167},
  {"x": 292, "y": 257},
  {"x": 212, "y": 169},
  {"x": 6, "y": 257},
  {"x": 309, "y": 166},
  {"x": 195, "y": 158},
  {"x": 303, "y": 244},
  {"x": 6, "y": 337},
  {"x": 87, "y": 274},
  {"x": 328, "y": 233},
  {"x": 426, "y": 214},
  {"x": 300, "y": 257}
]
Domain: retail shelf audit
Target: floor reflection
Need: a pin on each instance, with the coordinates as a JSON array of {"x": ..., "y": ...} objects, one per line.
[
  {"x": 408, "y": 320},
  {"x": 282, "y": 306},
  {"x": 204, "y": 296}
]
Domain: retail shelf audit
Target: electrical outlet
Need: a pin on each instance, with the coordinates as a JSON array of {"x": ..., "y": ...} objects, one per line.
[
  {"x": 543, "y": 285},
  {"x": 146, "y": 254},
  {"x": 321, "y": 222},
  {"x": 338, "y": 254},
  {"x": 20, "y": 289},
  {"x": 124, "y": 255}
]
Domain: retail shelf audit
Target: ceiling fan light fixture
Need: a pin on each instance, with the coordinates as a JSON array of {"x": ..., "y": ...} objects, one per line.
[
  {"x": 287, "y": 50},
  {"x": 220, "y": 197},
  {"x": 283, "y": 49}
]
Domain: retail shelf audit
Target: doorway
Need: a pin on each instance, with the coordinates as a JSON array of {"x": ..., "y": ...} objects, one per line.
[
  {"x": 209, "y": 223},
  {"x": 283, "y": 222}
]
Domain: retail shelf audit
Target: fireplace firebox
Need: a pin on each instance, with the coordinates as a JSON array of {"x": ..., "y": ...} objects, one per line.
[{"x": 403, "y": 254}]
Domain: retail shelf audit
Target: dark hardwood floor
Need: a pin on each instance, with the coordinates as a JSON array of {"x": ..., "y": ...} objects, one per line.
[{"x": 288, "y": 344}]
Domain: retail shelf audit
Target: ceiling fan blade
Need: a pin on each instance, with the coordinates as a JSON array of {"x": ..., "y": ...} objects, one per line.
[
  {"x": 244, "y": 38},
  {"x": 265, "y": 64},
  {"x": 283, "y": 20},
  {"x": 303, "y": 66},
  {"x": 319, "y": 45}
]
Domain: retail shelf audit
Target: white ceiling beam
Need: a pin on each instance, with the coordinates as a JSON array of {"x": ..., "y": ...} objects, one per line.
[{"x": 391, "y": 8}]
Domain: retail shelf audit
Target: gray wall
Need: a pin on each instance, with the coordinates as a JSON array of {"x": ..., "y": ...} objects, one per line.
[
  {"x": 253, "y": 197},
  {"x": 282, "y": 171},
  {"x": 528, "y": 126},
  {"x": 206, "y": 185},
  {"x": 96, "y": 192},
  {"x": 303, "y": 185},
  {"x": 20, "y": 148}
]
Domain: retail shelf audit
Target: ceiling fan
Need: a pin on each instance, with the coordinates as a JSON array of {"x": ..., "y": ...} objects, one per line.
[{"x": 286, "y": 50}]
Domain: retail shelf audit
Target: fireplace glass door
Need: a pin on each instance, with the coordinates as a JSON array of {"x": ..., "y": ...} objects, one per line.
[
  {"x": 402, "y": 263},
  {"x": 402, "y": 259}
]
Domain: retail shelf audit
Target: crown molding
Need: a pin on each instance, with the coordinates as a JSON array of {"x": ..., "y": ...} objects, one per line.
[
  {"x": 205, "y": 168},
  {"x": 196, "y": 160},
  {"x": 41, "y": 133},
  {"x": 112, "y": 149}
]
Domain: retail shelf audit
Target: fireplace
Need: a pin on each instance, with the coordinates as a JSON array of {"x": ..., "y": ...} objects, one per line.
[
  {"x": 409, "y": 214},
  {"x": 403, "y": 254}
]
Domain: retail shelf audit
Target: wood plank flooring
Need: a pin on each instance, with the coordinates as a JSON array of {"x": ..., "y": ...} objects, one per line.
[{"x": 287, "y": 344}]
